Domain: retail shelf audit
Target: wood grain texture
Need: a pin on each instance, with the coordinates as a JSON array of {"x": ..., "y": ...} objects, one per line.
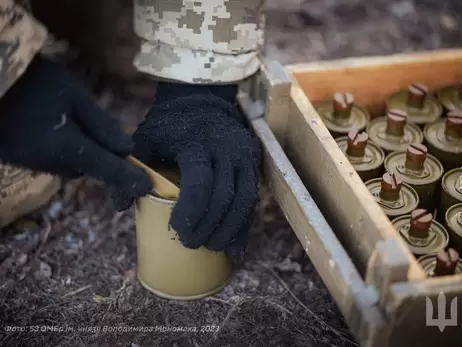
[
  {"x": 275, "y": 91},
  {"x": 406, "y": 310},
  {"x": 372, "y": 79}
]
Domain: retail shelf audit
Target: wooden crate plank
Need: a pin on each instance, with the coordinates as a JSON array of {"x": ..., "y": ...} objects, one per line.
[
  {"x": 274, "y": 90},
  {"x": 407, "y": 309},
  {"x": 356, "y": 217},
  {"x": 356, "y": 302},
  {"x": 387, "y": 265},
  {"x": 372, "y": 79}
]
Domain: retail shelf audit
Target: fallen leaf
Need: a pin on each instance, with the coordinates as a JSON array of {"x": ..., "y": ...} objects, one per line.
[
  {"x": 44, "y": 270},
  {"x": 99, "y": 299}
]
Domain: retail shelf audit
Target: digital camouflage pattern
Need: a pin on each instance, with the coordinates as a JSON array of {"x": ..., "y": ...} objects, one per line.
[
  {"x": 205, "y": 41},
  {"x": 191, "y": 41},
  {"x": 21, "y": 37}
]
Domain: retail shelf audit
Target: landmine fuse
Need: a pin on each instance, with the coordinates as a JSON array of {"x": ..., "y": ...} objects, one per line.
[
  {"x": 420, "y": 170},
  {"x": 444, "y": 140},
  {"x": 341, "y": 114},
  {"x": 421, "y": 107},
  {"x": 394, "y": 196},
  {"x": 423, "y": 234},
  {"x": 392, "y": 132},
  {"x": 364, "y": 155}
]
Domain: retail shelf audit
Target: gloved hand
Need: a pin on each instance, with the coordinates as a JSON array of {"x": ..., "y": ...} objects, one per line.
[
  {"x": 48, "y": 123},
  {"x": 200, "y": 129}
]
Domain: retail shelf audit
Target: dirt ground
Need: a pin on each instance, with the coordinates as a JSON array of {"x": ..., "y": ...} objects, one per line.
[{"x": 75, "y": 271}]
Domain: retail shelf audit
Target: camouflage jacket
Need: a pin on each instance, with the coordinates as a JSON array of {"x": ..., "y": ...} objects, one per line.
[
  {"x": 21, "y": 37},
  {"x": 191, "y": 41},
  {"x": 206, "y": 41}
]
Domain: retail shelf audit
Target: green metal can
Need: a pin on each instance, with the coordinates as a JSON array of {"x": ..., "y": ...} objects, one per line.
[
  {"x": 364, "y": 155},
  {"x": 453, "y": 219},
  {"x": 444, "y": 140},
  {"x": 341, "y": 115},
  {"x": 430, "y": 266},
  {"x": 451, "y": 97},
  {"x": 394, "y": 196},
  {"x": 392, "y": 132},
  {"x": 451, "y": 192},
  {"x": 420, "y": 170},
  {"x": 423, "y": 234},
  {"x": 421, "y": 107}
]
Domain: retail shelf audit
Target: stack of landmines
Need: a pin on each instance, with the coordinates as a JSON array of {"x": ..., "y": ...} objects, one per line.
[{"x": 411, "y": 161}]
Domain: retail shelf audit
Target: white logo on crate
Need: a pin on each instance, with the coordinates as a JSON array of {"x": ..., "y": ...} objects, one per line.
[{"x": 441, "y": 321}]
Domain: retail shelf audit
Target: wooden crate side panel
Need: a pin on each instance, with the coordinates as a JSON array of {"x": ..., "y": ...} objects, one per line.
[
  {"x": 356, "y": 302},
  {"x": 358, "y": 220},
  {"x": 372, "y": 79},
  {"x": 275, "y": 91},
  {"x": 407, "y": 309}
]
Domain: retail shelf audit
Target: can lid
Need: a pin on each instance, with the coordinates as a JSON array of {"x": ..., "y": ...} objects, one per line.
[
  {"x": 421, "y": 106},
  {"x": 436, "y": 136},
  {"x": 404, "y": 204},
  {"x": 451, "y": 97},
  {"x": 428, "y": 264},
  {"x": 453, "y": 219},
  {"x": 415, "y": 166},
  {"x": 452, "y": 183},
  {"x": 422, "y": 234},
  {"x": 339, "y": 116},
  {"x": 384, "y": 131},
  {"x": 373, "y": 155}
]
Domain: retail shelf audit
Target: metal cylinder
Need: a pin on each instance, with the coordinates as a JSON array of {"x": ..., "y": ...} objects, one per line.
[
  {"x": 341, "y": 114},
  {"x": 451, "y": 192},
  {"x": 444, "y": 140},
  {"x": 392, "y": 132},
  {"x": 450, "y": 97},
  {"x": 421, "y": 107},
  {"x": 423, "y": 234},
  {"x": 420, "y": 170},
  {"x": 453, "y": 221},
  {"x": 164, "y": 266},
  {"x": 364, "y": 155},
  {"x": 394, "y": 196}
]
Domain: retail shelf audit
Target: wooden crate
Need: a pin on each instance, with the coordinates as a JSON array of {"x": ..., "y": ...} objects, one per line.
[{"x": 375, "y": 280}]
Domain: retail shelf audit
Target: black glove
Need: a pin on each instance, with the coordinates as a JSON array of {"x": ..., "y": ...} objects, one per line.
[
  {"x": 48, "y": 123},
  {"x": 200, "y": 129}
]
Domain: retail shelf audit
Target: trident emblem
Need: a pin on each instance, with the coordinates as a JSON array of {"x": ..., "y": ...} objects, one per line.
[{"x": 441, "y": 321}]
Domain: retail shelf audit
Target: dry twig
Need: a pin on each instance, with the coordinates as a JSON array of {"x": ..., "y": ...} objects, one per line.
[
  {"x": 315, "y": 316},
  {"x": 77, "y": 291}
]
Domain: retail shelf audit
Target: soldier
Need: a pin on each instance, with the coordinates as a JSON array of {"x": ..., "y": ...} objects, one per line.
[{"x": 199, "y": 50}]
